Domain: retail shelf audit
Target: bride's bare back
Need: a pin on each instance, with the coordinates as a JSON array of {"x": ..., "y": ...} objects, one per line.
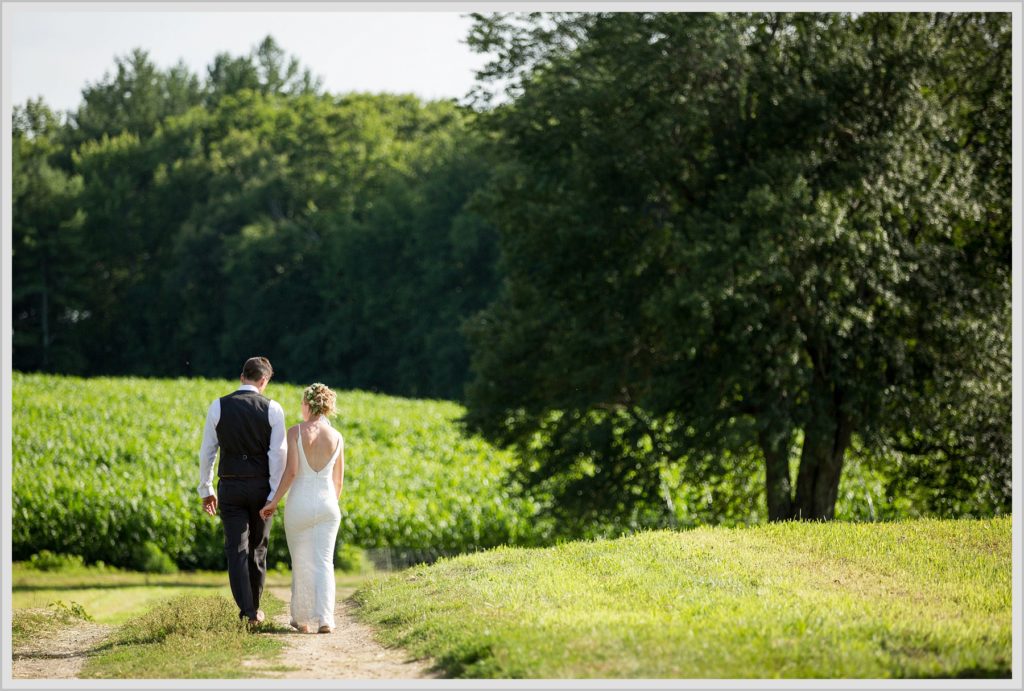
[{"x": 319, "y": 442}]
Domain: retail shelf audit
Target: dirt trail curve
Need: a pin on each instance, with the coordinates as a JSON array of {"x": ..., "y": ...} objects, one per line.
[
  {"x": 58, "y": 655},
  {"x": 349, "y": 652}
]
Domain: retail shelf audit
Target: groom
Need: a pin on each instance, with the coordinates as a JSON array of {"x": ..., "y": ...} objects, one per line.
[{"x": 249, "y": 429}]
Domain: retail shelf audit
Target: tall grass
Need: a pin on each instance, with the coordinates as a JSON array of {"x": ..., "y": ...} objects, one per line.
[
  {"x": 189, "y": 636},
  {"x": 27, "y": 624}
]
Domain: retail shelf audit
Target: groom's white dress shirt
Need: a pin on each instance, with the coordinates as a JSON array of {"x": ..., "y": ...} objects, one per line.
[{"x": 276, "y": 453}]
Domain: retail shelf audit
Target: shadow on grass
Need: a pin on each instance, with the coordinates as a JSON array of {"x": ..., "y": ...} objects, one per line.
[
  {"x": 100, "y": 647},
  {"x": 270, "y": 627},
  {"x": 974, "y": 673},
  {"x": 96, "y": 650}
]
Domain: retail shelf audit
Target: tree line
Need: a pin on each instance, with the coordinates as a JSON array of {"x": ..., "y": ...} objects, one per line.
[
  {"x": 688, "y": 247},
  {"x": 170, "y": 226}
]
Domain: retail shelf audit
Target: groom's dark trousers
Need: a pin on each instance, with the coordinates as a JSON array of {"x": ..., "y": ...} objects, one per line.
[
  {"x": 243, "y": 433},
  {"x": 246, "y": 535}
]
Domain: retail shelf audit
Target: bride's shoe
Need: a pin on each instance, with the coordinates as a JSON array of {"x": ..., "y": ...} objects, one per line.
[
  {"x": 300, "y": 629},
  {"x": 324, "y": 629}
]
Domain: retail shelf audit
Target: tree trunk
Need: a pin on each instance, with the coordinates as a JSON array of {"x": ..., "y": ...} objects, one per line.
[
  {"x": 826, "y": 438},
  {"x": 775, "y": 446}
]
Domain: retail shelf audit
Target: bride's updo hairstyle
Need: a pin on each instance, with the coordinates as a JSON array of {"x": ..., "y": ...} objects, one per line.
[{"x": 319, "y": 398}]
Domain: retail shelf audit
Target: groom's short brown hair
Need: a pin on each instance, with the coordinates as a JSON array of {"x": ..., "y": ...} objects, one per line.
[{"x": 256, "y": 368}]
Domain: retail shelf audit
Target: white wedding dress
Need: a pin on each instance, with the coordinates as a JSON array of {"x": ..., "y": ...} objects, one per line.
[{"x": 311, "y": 519}]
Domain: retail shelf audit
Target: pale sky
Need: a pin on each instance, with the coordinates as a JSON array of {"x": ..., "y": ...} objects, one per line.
[{"x": 55, "y": 53}]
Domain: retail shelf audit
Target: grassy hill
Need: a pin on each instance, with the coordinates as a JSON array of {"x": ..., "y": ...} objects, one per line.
[{"x": 923, "y": 598}]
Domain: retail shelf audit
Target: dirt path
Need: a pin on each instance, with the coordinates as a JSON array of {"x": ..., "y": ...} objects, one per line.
[
  {"x": 349, "y": 652},
  {"x": 58, "y": 654}
]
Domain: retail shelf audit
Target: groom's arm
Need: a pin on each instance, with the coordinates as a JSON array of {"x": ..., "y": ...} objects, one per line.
[
  {"x": 278, "y": 447},
  {"x": 208, "y": 452}
]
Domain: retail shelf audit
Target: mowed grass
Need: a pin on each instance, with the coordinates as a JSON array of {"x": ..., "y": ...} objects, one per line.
[
  {"x": 925, "y": 598},
  {"x": 112, "y": 596},
  {"x": 181, "y": 625},
  {"x": 186, "y": 637}
]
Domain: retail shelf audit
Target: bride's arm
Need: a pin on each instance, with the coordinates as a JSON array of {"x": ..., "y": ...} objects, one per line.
[
  {"x": 291, "y": 468},
  {"x": 339, "y": 469}
]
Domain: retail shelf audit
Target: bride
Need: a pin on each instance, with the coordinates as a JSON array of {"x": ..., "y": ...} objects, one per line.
[{"x": 316, "y": 468}]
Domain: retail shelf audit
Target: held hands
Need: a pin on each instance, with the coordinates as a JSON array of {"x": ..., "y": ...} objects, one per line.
[
  {"x": 267, "y": 511},
  {"x": 210, "y": 504}
]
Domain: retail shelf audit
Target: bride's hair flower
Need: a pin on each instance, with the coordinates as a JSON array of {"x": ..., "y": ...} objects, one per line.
[{"x": 320, "y": 399}]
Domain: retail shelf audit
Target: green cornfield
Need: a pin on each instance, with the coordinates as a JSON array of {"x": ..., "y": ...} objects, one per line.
[{"x": 102, "y": 466}]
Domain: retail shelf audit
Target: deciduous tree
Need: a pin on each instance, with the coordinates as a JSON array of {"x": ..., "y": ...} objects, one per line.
[{"x": 732, "y": 232}]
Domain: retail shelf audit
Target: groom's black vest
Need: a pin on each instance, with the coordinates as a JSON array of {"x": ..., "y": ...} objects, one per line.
[{"x": 243, "y": 433}]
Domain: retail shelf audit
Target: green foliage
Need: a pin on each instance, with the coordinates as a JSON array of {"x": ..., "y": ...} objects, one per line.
[
  {"x": 103, "y": 466},
  {"x": 343, "y": 217},
  {"x": 45, "y": 560},
  {"x": 266, "y": 70},
  {"x": 149, "y": 558},
  {"x": 731, "y": 236},
  {"x": 787, "y": 600},
  {"x": 48, "y": 246},
  {"x": 349, "y": 230},
  {"x": 134, "y": 99},
  {"x": 350, "y": 558},
  {"x": 68, "y": 611}
]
